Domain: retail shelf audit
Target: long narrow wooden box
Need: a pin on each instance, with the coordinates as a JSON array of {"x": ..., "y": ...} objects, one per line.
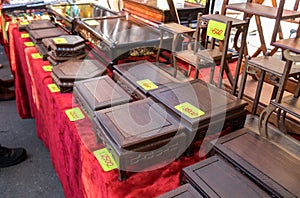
[
  {"x": 184, "y": 191},
  {"x": 214, "y": 177},
  {"x": 202, "y": 107},
  {"x": 140, "y": 135},
  {"x": 131, "y": 75},
  {"x": 73, "y": 70},
  {"x": 37, "y": 35},
  {"x": 273, "y": 167},
  {"x": 99, "y": 93}
]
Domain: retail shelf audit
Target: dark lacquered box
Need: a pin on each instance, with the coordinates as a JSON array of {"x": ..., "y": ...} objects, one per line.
[
  {"x": 134, "y": 78},
  {"x": 272, "y": 164},
  {"x": 202, "y": 107},
  {"x": 65, "y": 74},
  {"x": 40, "y": 24},
  {"x": 99, "y": 93},
  {"x": 139, "y": 135},
  {"x": 214, "y": 177},
  {"x": 184, "y": 191}
]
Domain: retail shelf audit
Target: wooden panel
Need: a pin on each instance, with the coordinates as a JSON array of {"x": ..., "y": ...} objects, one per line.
[
  {"x": 211, "y": 100},
  {"x": 184, "y": 191},
  {"x": 99, "y": 93},
  {"x": 261, "y": 159},
  {"x": 137, "y": 122},
  {"x": 214, "y": 177},
  {"x": 142, "y": 70}
]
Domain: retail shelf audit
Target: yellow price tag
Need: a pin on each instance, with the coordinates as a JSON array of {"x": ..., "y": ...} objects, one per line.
[
  {"x": 36, "y": 55},
  {"x": 60, "y": 40},
  {"x": 24, "y": 23},
  {"x": 92, "y": 22},
  {"x": 74, "y": 114},
  {"x": 45, "y": 17},
  {"x": 53, "y": 88},
  {"x": 189, "y": 110},
  {"x": 216, "y": 29},
  {"x": 147, "y": 84},
  {"x": 105, "y": 159},
  {"x": 25, "y": 35},
  {"x": 29, "y": 44},
  {"x": 47, "y": 68}
]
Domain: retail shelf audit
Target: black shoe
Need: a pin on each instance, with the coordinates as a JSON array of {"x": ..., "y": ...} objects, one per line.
[
  {"x": 7, "y": 83},
  {"x": 11, "y": 156},
  {"x": 6, "y": 94}
]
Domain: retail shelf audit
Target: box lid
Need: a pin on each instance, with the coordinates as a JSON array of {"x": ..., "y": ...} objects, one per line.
[
  {"x": 42, "y": 24},
  {"x": 136, "y": 123},
  {"x": 201, "y": 99},
  {"x": 67, "y": 41},
  {"x": 101, "y": 92},
  {"x": 79, "y": 69},
  {"x": 46, "y": 33},
  {"x": 138, "y": 71}
]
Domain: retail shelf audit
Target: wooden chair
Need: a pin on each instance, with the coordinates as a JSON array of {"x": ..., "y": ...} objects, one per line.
[
  {"x": 206, "y": 56},
  {"x": 251, "y": 8}
]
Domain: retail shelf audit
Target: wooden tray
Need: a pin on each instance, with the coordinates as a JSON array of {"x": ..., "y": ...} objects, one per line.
[
  {"x": 99, "y": 93},
  {"x": 214, "y": 177},
  {"x": 141, "y": 126},
  {"x": 41, "y": 24},
  {"x": 37, "y": 35},
  {"x": 184, "y": 191},
  {"x": 276, "y": 169},
  {"x": 66, "y": 73},
  {"x": 133, "y": 73}
]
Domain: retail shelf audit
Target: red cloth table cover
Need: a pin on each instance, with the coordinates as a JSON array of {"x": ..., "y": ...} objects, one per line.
[{"x": 70, "y": 145}]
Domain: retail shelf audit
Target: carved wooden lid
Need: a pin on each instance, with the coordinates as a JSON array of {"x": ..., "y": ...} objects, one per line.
[
  {"x": 101, "y": 92},
  {"x": 140, "y": 71},
  {"x": 67, "y": 41},
  {"x": 137, "y": 123},
  {"x": 46, "y": 33},
  {"x": 197, "y": 100},
  {"x": 79, "y": 69},
  {"x": 43, "y": 24}
]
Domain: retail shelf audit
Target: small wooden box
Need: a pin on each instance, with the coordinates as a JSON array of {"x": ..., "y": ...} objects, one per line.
[
  {"x": 203, "y": 107},
  {"x": 129, "y": 75},
  {"x": 66, "y": 73},
  {"x": 214, "y": 177},
  {"x": 41, "y": 24},
  {"x": 140, "y": 135},
  {"x": 268, "y": 164},
  {"x": 99, "y": 93},
  {"x": 184, "y": 191}
]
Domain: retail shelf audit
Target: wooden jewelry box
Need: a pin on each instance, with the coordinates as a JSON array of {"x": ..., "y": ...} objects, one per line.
[
  {"x": 268, "y": 163},
  {"x": 139, "y": 135},
  {"x": 99, "y": 93},
  {"x": 214, "y": 177},
  {"x": 201, "y": 106},
  {"x": 184, "y": 191},
  {"x": 65, "y": 74},
  {"x": 40, "y": 24},
  {"x": 141, "y": 77}
]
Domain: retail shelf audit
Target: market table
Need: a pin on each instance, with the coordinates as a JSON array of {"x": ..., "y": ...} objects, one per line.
[{"x": 71, "y": 143}]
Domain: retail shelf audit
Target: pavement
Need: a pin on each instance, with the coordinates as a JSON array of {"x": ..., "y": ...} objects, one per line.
[{"x": 35, "y": 177}]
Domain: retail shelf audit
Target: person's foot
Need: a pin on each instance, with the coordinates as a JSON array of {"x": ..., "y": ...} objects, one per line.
[
  {"x": 11, "y": 156},
  {"x": 7, "y": 83},
  {"x": 6, "y": 94}
]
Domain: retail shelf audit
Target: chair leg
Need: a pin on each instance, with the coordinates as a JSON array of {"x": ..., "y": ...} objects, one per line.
[
  {"x": 212, "y": 74},
  {"x": 243, "y": 80},
  {"x": 258, "y": 92}
]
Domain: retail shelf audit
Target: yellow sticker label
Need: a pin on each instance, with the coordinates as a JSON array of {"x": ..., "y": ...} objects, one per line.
[
  {"x": 24, "y": 23},
  {"x": 29, "y": 44},
  {"x": 147, "y": 84},
  {"x": 25, "y": 35},
  {"x": 74, "y": 114},
  {"x": 216, "y": 29},
  {"x": 105, "y": 159},
  {"x": 92, "y": 22},
  {"x": 47, "y": 68},
  {"x": 36, "y": 55},
  {"x": 60, "y": 40},
  {"x": 45, "y": 17},
  {"x": 189, "y": 110},
  {"x": 53, "y": 88}
]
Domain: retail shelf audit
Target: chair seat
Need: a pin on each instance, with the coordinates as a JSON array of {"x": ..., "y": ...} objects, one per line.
[
  {"x": 272, "y": 65},
  {"x": 291, "y": 44},
  {"x": 217, "y": 17},
  {"x": 289, "y": 104},
  {"x": 215, "y": 53}
]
